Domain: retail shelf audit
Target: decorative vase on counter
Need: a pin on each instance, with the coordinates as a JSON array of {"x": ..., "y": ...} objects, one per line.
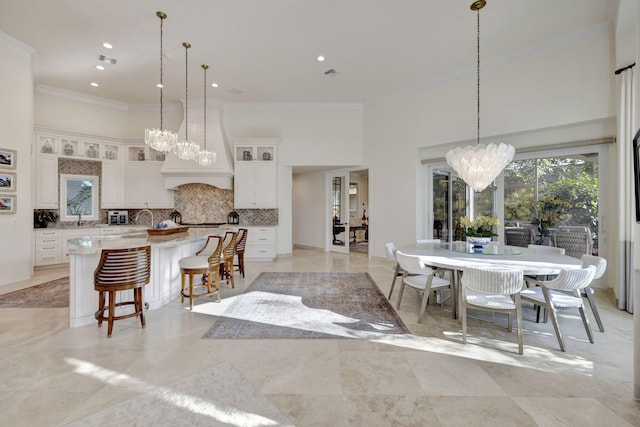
[
  {"x": 109, "y": 155},
  {"x": 91, "y": 152},
  {"x": 68, "y": 149},
  {"x": 46, "y": 148},
  {"x": 141, "y": 155}
]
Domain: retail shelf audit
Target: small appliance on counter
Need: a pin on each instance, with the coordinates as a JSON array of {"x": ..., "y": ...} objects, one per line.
[
  {"x": 233, "y": 218},
  {"x": 118, "y": 217}
]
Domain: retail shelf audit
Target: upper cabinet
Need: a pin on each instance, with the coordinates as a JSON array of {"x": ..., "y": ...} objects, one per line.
[{"x": 256, "y": 174}]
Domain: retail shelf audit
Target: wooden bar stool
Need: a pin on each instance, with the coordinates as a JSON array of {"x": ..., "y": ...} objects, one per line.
[
  {"x": 206, "y": 261},
  {"x": 121, "y": 270},
  {"x": 241, "y": 241},
  {"x": 228, "y": 253}
]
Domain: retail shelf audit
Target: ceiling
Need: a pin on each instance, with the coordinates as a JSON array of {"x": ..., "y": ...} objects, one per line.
[{"x": 265, "y": 50}]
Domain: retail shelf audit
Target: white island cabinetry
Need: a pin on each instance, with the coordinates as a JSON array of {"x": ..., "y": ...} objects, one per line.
[{"x": 164, "y": 285}]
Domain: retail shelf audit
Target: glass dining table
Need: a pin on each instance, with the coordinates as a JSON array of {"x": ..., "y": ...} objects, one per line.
[{"x": 457, "y": 256}]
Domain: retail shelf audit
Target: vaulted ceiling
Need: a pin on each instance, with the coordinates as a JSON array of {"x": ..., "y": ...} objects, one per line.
[{"x": 266, "y": 50}]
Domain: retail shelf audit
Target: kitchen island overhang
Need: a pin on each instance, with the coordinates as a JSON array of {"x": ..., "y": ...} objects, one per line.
[{"x": 164, "y": 284}]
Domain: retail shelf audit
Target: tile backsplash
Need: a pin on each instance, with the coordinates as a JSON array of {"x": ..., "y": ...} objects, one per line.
[{"x": 203, "y": 203}]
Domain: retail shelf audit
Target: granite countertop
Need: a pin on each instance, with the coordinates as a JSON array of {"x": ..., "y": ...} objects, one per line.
[{"x": 95, "y": 244}]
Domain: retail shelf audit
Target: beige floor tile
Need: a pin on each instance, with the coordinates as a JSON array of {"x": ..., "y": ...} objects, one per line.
[{"x": 552, "y": 411}]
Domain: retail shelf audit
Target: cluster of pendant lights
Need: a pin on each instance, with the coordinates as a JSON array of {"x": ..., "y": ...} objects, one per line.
[{"x": 166, "y": 141}]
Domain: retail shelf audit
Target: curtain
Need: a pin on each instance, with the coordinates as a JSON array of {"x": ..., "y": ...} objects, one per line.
[{"x": 626, "y": 131}]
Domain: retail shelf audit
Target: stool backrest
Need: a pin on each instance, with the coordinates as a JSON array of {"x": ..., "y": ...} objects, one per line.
[
  {"x": 241, "y": 240},
  {"x": 229, "y": 244},
  {"x": 123, "y": 268},
  {"x": 212, "y": 249}
]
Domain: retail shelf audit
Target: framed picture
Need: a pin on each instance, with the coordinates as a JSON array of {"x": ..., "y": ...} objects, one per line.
[
  {"x": 636, "y": 171},
  {"x": 7, "y": 204},
  {"x": 7, "y": 159},
  {"x": 7, "y": 182}
]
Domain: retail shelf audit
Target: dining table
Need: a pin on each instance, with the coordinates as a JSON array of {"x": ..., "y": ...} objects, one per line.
[{"x": 457, "y": 256}]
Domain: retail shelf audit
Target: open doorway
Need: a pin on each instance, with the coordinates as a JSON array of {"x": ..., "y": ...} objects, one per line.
[{"x": 349, "y": 213}]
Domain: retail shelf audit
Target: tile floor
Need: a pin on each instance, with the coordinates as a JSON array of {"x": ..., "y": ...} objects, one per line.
[{"x": 53, "y": 375}]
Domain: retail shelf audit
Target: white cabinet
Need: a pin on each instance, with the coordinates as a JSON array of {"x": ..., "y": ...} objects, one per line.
[
  {"x": 261, "y": 243},
  {"x": 256, "y": 175},
  {"x": 46, "y": 182},
  {"x": 145, "y": 187},
  {"x": 112, "y": 185},
  {"x": 47, "y": 247}
]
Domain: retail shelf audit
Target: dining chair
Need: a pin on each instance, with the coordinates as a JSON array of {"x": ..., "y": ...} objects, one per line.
[
  {"x": 419, "y": 276},
  {"x": 563, "y": 292},
  {"x": 390, "y": 250},
  {"x": 495, "y": 289},
  {"x": 519, "y": 236},
  {"x": 207, "y": 262},
  {"x": 121, "y": 270},
  {"x": 601, "y": 266},
  {"x": 575, "y": 242}
]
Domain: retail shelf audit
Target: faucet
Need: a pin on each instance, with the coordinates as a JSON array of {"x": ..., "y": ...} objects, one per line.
[
  {"x": 79, "y": 219},
  {"x": 145, "y": 211}
]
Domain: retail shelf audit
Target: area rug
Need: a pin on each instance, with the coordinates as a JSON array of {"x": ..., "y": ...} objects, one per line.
[
  {"x": 53, "y": 294},
  {"x": 216, "y": 396},
  {"x": 309, "y": 305}
]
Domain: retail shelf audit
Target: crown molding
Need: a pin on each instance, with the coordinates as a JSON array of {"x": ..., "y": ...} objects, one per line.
[
  {"x": 16, "y": 45},
  {"x": 81, "y": 97},
  {"x": 294, "y": 106}
]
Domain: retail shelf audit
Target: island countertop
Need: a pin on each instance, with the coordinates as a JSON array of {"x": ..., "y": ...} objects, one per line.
[{"x": 95, "y": 244}]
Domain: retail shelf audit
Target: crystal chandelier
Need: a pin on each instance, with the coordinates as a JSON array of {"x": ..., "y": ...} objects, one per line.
[
  {"x": 160, "y": 139},
  {"x": 186, "y": 150},
  {"x": 206, "y": 157},
  {"x": 478, "y": 165}
]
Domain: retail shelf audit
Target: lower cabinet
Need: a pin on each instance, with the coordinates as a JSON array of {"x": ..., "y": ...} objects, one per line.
[
  {"x": 261, "y": 243},
  {"x": 47, "y": 247}
]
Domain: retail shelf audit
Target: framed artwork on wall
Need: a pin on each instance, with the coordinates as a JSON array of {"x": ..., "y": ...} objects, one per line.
[
  {"x": 7, "y": 204},
  {"x": 7, "y": 158},
  {"x": 7, "y": 182}
]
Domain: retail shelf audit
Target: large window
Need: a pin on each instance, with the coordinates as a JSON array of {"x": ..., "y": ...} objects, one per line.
[{"x": 544, "y": 192}]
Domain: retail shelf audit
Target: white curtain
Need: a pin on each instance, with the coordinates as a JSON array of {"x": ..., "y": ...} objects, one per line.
[{"x": 626, "y": 173}]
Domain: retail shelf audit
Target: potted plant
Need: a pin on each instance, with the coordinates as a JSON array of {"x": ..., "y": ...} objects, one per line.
[
  {"x": 550, "y": 211},
  {"x": 42, "y": 218},
  {"x": 479, "y": 231}
]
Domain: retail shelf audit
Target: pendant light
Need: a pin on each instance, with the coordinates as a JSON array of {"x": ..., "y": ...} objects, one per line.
[
  {"x": 160, "y": 139},
  {"x": 478, "y": 165},
  {"x": 186, "y": 150},
  {"x": 206, "y": 157}
]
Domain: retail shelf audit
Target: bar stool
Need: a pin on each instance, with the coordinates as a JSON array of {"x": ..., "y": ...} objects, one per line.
[
  {"x": 121, "y": 270},
  {"x": 206, "y": 261},
  {"x": 228, "y": 252},
  {"x": 241, "y": 241}
]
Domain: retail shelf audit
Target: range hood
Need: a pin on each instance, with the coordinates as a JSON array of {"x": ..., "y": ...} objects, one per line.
[{"x": 177, "y": 172}]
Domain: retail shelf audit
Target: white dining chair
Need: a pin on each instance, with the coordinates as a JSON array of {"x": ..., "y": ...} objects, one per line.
[
  {"x": 495, "y": 289},
  {"x": 563, "y": 292},
  {"x": 419, "y": 276},
  {"x": 601, "y": 266},
  {"x": 390, "y": 250}
]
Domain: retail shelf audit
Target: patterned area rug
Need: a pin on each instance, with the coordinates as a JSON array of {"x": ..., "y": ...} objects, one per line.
[
  {"x": 309, "y": 305},
  {"x": 53, "y": 294}
]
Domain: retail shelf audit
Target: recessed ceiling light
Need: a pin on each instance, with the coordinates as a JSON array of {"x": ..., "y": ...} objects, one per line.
[
  {"x": 106, "y": 59},
  {"x": 214, "y": 84},
  {"x": 320, "y": 58},
  {"x": 94, "y": 84},
  {"x": 100, "y": 67},
  {"x": 159, "y": 85},
  {"x": 107, "y": 45}
]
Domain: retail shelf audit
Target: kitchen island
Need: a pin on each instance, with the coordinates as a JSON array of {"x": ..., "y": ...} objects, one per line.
[{"x": 164, "y": 285}]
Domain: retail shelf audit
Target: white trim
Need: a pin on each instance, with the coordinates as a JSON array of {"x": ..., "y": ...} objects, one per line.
[
  {"x": 16, "y": 45},
  {"x": 286, "y": 106},
  {"x": 80, "y": 97}
]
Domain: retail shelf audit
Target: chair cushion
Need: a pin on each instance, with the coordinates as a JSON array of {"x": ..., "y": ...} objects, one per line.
[
  {"x": 558, "y": 299},
  {"x": 492, "y": 301},
  {"x": 420, "y": 282},
  {"x": 195, "y": 261}
]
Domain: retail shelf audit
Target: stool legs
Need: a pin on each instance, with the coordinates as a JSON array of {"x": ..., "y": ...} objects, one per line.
[{"x": 112, "y": 312}]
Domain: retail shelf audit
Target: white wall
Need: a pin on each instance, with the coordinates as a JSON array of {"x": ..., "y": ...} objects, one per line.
[
  {"x": 558, "y": 84},
  {"x": 16, "y": 122}
]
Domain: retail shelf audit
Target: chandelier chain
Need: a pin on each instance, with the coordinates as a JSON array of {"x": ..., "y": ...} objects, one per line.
[
  {"x": 186, "y": 90},
  {"x": 478, "y": 75},
  {"x": 162, "y": 17},
  {"x": 204, "y": 68}
]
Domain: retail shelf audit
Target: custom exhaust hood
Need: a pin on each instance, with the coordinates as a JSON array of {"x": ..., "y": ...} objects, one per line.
[{"x": 177, "y": 172}]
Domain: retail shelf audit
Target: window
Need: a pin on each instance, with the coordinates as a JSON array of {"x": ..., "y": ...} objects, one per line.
[{"x": 78, "y": 197}]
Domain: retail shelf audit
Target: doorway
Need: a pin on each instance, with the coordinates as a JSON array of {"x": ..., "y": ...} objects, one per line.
[{"x": 348, "y": 211}]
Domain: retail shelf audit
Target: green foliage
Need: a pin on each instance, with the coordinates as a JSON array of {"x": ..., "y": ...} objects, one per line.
[{"x": 481, "y": 226}]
